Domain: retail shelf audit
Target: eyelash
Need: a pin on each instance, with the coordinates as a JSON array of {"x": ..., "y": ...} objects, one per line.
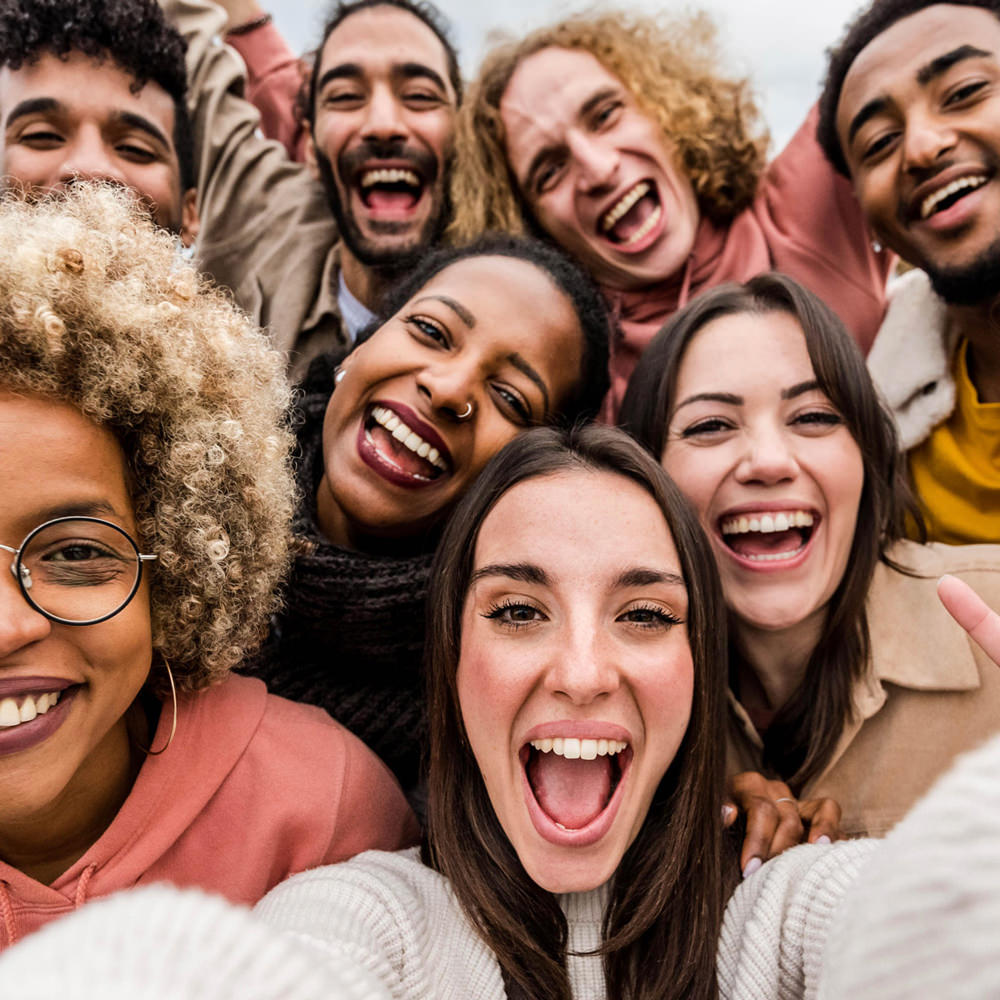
[
  {"x": 500, "y": 612},
  {"x": 663, "y": 618}
]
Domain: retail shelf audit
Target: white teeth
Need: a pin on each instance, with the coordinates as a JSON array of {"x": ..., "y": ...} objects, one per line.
[
  {"x": 766, "y": 523},
  {"x": 578, "y": 749},
  {"x": 931, "y": 202},
  {"x": 389, "y": 176},
  {"x": 407, "y": 436},
  {"x": 646, "y": 227},
  {"x": 31, "y": 707},
  {"x": 624, "y": 203}
]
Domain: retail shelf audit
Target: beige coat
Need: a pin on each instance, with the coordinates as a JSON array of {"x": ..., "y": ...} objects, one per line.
[{"x": 929, "y": 694}]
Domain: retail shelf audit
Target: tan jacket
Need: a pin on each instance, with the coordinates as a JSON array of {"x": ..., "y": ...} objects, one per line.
[
  {"x": 929, "y": 694},
  {"x": 266, "y": 227}
]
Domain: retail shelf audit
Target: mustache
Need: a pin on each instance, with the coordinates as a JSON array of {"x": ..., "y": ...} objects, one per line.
[{"x": 424, "y": 164}]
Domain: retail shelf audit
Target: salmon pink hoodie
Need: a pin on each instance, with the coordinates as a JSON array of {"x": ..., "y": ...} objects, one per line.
[{"x": 252, "y": 789}]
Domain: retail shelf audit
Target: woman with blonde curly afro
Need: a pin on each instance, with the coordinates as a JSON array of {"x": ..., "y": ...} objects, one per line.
[
  {"x": 145, "y": 501},
  {"x": 615, "y": 136}
]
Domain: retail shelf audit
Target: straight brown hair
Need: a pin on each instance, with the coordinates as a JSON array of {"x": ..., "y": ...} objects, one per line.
[
  {"x": 805, "y": 731},
  {"x": 667, "y": 897}
]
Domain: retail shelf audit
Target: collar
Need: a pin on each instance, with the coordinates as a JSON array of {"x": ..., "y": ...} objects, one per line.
[
  {"x": 354, "y": 313},
  {"x": 325, "y": 304}
]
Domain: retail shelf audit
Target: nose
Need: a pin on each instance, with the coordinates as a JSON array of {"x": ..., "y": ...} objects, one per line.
[
  {"x": 768, "y": 458},
  {"x": 384, "y": 116},
  {"x": 88, "y": 157},
  {"x": 583, "y": 666},
  {"x": 927, "y": 140},
  {"x": 450, "y": 388},
  {"x": 20, "y": 623},
  {"x": 596, "y": 162}
]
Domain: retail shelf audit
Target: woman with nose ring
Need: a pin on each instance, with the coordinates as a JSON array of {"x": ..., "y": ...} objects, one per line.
[
  {"x": 847, "y": 678},
  {"x": 477, "y": 346},
  {"x": 145, "y": 495}
]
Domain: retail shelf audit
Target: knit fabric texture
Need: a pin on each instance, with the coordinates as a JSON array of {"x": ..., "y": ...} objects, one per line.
[{"x": 351, "y": 636}]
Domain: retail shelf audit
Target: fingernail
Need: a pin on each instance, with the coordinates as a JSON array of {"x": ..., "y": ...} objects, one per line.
[
  {"x": 728, "y": 814},
  {"x": 822, "y": 840},
  {"x": 752, "y": 865}
]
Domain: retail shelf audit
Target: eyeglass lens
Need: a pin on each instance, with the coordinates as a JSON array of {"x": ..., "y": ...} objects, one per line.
[{"x": 79, "y": 570}]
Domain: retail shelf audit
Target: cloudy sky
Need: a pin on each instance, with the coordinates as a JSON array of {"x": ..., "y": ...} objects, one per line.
[{"x": 778, "y": 43}]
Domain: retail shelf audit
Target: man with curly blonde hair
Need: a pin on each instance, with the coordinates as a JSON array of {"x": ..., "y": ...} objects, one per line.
[{"x": 616, "y": 136}]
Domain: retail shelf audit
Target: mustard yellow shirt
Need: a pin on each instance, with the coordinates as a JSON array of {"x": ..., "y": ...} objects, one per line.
[{"x": 956, "y": 471}]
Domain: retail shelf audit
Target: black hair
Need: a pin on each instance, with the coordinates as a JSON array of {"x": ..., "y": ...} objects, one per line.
[
  {"x": 420, "y": 9},
  {"x": 133, "y": 34},
  {"x": 870, "y": 23},
  {"x": 586, "y": 301}
]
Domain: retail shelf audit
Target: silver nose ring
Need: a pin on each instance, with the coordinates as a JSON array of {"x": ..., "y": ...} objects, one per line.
[{"x": 466, "y": 413}]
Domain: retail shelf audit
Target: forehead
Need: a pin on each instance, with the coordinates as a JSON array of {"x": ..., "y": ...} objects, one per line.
[
  {"x": 578, "y": 519},
  {"x": 547, "y": 92},
  {"x": 894, "y": 59},
  {"x": 744, "y": 350},
  {"x": 379, "y": 39},
  {"x": 85, "y": 86}
]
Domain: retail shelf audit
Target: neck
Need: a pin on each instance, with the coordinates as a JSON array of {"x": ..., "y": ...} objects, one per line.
[
  {"x": 775, "y": 661},
  {"x": 367, "y": 284},
  {"x": 980, "y": 325},
  {"x": 48, "y": 842}
]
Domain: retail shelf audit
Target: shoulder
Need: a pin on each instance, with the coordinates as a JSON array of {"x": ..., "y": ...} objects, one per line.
[{"x": 928, "y": 562}]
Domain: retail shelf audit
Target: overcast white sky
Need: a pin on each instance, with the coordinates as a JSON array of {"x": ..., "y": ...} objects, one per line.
[{"x": 778, "y": 43}]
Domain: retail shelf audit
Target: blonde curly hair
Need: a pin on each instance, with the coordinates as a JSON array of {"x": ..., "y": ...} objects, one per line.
[
  {"x": 98, "y": 311},
  {"x": 670, "y": 67}
]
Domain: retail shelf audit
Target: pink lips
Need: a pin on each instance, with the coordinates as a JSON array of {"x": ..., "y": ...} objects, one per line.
[
  {"x": 768, "y": 566},
  {"x": 388, "y": 470},
  {"x": 29, "y": 734}
]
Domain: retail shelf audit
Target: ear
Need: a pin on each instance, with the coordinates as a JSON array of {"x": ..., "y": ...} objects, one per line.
[
  {"x": 311, "y": 155},
  {"x": 190, "y": 220}
]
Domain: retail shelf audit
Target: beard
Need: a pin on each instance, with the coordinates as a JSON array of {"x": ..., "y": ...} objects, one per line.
[
  {"x": 972, "y": 284},
  {"x": 389, "y": 256}
]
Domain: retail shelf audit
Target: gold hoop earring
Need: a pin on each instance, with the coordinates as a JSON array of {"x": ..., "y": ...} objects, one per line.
[{"x": 149, "y": 751}]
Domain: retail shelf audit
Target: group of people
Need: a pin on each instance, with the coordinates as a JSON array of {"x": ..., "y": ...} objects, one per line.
[{"x": 303, "y": 367}]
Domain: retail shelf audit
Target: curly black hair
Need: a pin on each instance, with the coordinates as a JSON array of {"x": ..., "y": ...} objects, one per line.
[
  {"x": 133, "y": 34},
  {"x": 881, "y": 15},
  {"x": 586, "y": 301},
  {"x": 420, "y": 9}
]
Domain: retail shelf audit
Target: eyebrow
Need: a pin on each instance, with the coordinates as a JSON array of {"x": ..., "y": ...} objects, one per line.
[
  {"x": 525, "y": 368},
  {"x": 144, "y": 125},
  {"x": 925, "y": 75},
  {"x": 32, "y": 106},
  {"x": 799, "y": 388},
  {"x": 731, "y": 399},
  {"x": 405, "y": 71},
  {"x": 643, "y": 577},
  {"x": 84, "y": 508},
  {"x": 46, "y": 105},
  {"x": 521, "y": 572},
  {"x": 456, "y": 307},
  {"x": 588, "y": 105}
]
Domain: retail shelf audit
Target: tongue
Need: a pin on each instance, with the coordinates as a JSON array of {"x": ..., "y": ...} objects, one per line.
[
  {"x": 409, "y": 461},
  {"x": 571, "y": 792},
  {"x": 758, "y": 544},
  {"x": 382, "y": 199},
  {"x": 623, "y": 230}
]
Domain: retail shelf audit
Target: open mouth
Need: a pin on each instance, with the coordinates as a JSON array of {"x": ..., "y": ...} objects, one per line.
[
  {"x": 26, "y": 708},
  {"x": 574, "y": 780},
  {"x": 403, "y": 449},
  {"x": 943, "y": 199},
  {"x": 633, "y": 216},
  {"x": 769, "y": 537},
  {"x": 390, "y": 191}
]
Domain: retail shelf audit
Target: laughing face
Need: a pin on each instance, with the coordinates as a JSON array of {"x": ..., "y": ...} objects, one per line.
[
  {"x": 596, "y": 170},
  {"x": 575, "y": 676},
  {"x": 74, "y": 753},
  {"x": 486, "y": 349},
  {"x": 919, "y": 122},
  {"x": 770, "y": 466},
  {"x": 383, "y": 125}
]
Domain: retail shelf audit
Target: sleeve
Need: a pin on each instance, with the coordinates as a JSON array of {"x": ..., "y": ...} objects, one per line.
[
  {"x": 274, "y": 78},
  {"x": 817, "y": 233}
]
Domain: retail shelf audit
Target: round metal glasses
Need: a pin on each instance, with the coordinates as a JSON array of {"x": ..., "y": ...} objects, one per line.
[{"x": 78, "y": 570}]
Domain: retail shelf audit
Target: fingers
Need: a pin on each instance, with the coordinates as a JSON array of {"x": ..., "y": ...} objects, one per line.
[
  {"x": 822, "y": 818},
  {"x": 972, "y": 613},
  {"x": 772, "y": 818}
]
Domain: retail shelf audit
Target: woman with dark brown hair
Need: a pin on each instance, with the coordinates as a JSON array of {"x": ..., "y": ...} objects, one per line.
[
  {"x": 575, "y": 678},
  {"x": 847, "y": 677}
]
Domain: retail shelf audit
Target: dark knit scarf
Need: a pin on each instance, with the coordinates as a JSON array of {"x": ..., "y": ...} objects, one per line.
[{"x": 351, "y": 636}]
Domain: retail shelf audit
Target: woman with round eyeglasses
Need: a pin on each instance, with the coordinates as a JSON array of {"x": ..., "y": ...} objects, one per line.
[
  {"x": 847, "y": 677},
  {"x": 145, "y": 493},
  {"x": 476, "y": 346}
]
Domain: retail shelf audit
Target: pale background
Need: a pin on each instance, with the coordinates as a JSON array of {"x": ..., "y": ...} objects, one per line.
[{"x": 779, "y": 44}]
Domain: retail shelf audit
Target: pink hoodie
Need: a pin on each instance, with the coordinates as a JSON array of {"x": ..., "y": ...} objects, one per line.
[{"x": 253, "y": 789}]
